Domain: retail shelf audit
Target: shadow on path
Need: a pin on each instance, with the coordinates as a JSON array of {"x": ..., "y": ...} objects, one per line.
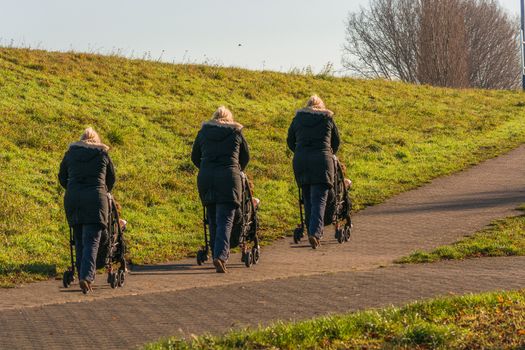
[
  {"x": 183, "y": 269},
  {"x": 495, "y": 201}
]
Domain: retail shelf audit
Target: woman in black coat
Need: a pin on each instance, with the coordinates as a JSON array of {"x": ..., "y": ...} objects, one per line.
[
  {"x": 220, "y": 152},
  {"x": 87, "y": 174},
  {"x": 314, "y": 139}
]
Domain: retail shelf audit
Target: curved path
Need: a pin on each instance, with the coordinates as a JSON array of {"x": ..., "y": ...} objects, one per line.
[{"x": 291, "y": 282}]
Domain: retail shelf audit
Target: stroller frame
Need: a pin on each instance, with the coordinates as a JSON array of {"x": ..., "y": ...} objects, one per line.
[
  {"x": 342, "y": 232},
  {"x": 248, "y": 239},
  {"x": 115, "y": 254}
]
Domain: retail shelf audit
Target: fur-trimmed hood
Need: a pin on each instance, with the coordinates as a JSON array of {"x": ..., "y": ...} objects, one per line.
[
  {"x": 215, "y": 122},
  {"x": 310, "y": 110},
  {"x": 312, "y": 117},
  {"x": 218, "y": 131},
  {"x": 90, "y": 145}
]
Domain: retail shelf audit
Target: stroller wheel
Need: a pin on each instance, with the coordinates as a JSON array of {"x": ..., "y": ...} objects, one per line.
[
  {"x": 201, "y": 257},
  {"x": 298, "y": 234},
  {"x": 347, "y": 233},
  {"x": 248, "y": 259},
  {"x": 121, "y": 277},
  {"x": 256, "y": 254},
  {"x": 113, "y": 279},
  {"x": 68, "y": 278},
  {"x": 340, "y": 235}
]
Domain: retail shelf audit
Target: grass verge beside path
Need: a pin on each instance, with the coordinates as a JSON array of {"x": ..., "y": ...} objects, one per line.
[
  {"x": 485, "y": 321},
  {"x": 504, "y": 237},
  {"x": 395, "y": 137}
]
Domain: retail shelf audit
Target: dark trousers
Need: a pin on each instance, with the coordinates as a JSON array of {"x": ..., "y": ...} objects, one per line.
[
  {"x": 315, "y": 198},
  {"x": 220, "y": 219},
  {"x": 87, "y": 240}
]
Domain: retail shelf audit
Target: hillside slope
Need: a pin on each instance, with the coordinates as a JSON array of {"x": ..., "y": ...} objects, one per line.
[{"x": 395, "y": 137}]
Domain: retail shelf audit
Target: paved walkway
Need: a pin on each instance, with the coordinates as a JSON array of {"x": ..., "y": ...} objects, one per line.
[{"x": 291, "y": 282}]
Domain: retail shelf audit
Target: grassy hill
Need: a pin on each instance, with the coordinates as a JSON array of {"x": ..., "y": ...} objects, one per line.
[{"x": 395, "y": 137}]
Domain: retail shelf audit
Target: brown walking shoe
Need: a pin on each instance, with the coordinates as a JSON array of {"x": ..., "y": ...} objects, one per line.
[
  {"x": 314, "y": 241},
  {"x": 85, "y": 286},
  {"x": 220, "y": 266}
]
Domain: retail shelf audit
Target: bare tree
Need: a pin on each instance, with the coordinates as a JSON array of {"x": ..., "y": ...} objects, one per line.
[
  {"x": 382, "y": 41},
  {"x": 443, "y": 58},
  {"x": 455, "y": 43},
  {"x": 493, "y": 46}
]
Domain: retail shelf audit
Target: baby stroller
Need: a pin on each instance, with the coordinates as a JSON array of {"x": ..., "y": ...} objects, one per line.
[
  {"x": 338, "y": 208},
  {"x": 244, "y": 231},
  {"x": 111, "y": 251}
]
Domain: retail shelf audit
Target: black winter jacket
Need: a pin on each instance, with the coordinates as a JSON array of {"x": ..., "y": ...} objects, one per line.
[
  {"x": 220, "y": 152},
  {"x": 314, "y": 138},
  {"x": 87, "y": 174}
]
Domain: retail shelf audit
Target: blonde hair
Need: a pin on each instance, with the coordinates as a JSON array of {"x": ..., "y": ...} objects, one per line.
[
  {"x": 90, "y": 136},
  {"x": 223, "y": 115},
  {"x": 315, "y": 102}
]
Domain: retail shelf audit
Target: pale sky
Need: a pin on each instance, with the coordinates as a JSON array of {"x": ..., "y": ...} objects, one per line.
[{"x": 274, "y": 34}]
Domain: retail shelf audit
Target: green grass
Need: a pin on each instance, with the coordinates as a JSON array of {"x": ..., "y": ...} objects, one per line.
[
  {"x": 502, "y": 238},
  {"x": 395, "y": 137},
  {"x": 485, "y": 321}
]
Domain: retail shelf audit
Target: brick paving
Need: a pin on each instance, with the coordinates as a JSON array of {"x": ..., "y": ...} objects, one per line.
[
  {"x": 129, "y": 321},
  {"x": 291, "y": 282}
]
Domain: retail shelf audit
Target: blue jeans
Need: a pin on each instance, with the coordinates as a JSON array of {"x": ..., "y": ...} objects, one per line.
[
  {"x": 315, "y": 198},
  {"x": 87, "y": 240},
  {"x": 220, "y": 219}
]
